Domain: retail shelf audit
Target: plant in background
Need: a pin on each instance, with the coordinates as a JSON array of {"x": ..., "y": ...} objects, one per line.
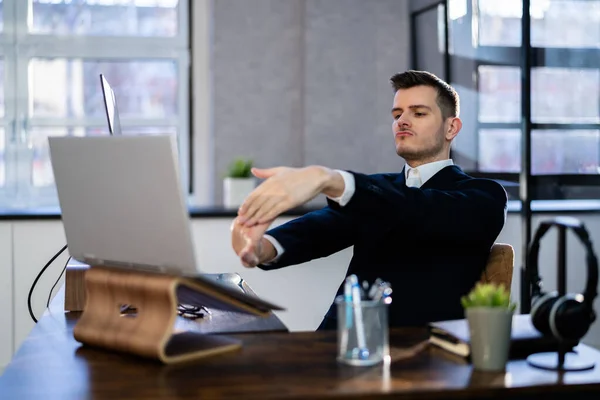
[
  {"x": 488, "y": 295},
  {"x": 238, "y": 182},
  {"x": 240, "y": 168}
]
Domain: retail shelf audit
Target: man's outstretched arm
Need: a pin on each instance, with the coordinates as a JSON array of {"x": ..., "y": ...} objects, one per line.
[
  {"x": 314, "y": 235},
  {"x": 476, "y": 205},
  {"x": 286, "y": 188}
]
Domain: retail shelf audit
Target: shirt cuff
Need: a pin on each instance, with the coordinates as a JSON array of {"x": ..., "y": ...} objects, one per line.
[
  {"x": 349, "y": 188},
  {"x": 278, "y": 249}
]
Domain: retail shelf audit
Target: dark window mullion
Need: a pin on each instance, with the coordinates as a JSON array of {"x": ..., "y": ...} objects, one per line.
[
  {"x": 541, "y": 56},
  {"x": 496, "y": 55},
  {"x": 565, "y": 127},
  {"x": 541, "y": 180},
  {"x": 565, "y": 57},
  {"x": 499, "y": 125}
]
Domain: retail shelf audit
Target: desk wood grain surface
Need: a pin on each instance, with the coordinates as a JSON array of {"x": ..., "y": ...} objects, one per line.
[{"x": 52, "y": 365}]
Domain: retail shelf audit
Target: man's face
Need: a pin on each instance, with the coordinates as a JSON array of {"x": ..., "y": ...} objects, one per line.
[{"x": 418, "y": 125}]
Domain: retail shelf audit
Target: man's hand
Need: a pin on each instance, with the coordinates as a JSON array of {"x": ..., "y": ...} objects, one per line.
[
  {"x": 250, "y": 245},
  {"x": 286, "y": 188}
]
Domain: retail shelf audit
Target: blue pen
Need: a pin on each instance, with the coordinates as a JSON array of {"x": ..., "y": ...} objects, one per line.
[
  {"x": 348, "y": 308},
  {"x": 348, "y": 301},
  {"x": 363, "y": 352}
]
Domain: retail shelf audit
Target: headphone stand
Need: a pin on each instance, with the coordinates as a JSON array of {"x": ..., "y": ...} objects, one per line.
[
  {"x": 566, "y": 358},
  {"x": 563, "y": 360}
]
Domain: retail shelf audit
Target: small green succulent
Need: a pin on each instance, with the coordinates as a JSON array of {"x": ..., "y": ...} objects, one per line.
[
  {"x": 240, "y": 168},
  {"x": 488, "y": 295}
]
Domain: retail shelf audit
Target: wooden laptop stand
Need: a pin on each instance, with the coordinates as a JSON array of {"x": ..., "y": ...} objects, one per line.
[{"x": 149, "y": 332}]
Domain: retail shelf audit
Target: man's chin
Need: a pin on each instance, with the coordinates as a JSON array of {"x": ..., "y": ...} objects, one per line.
[{"x": 404, "y": 152}]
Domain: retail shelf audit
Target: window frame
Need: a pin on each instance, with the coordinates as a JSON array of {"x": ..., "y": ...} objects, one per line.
[
  {"x": 508, "y": 56},
  {"x": 18, "y": 47},
  {"x": 525, "y": 187}
]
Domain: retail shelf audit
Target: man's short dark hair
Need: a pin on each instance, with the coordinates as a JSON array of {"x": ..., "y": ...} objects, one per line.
[{"x": 447, "y": 98}]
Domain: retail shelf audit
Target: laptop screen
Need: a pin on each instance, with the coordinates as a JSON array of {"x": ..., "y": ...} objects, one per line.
[
  {"x": 123, "y": 202},
  {"x": 110, "y": 105}
]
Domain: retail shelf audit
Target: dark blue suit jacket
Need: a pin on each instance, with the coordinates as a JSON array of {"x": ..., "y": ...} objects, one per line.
[{"x": 431, "y": 243}]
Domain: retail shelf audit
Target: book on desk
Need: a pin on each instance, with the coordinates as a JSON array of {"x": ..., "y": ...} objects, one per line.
[{"x": 453, "y": 336}]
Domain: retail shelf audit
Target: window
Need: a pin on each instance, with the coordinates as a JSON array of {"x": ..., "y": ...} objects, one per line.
[
  {"x": 499, "y": 150},
  {"x": 554, "y": 23},
  {"x": 149, "y": 18},
  {"x": 499, "y": 94},
  {"x": 565, "y": 95},
  {"x": 552, "y": 98},
  {"x": 565, "y": 86},
  {"x": 563, "y": 120},
  {"x": 51, "y": 55},
  {"x": 552, "y": 151},
  {"x": 486, "y": 58}
]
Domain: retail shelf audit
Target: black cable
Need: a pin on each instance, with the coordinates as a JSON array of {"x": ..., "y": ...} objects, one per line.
[
  {"x": 37, "y": 278},
  {"x": 56, "y": 283},
  {"x": 185, "y": 311}
]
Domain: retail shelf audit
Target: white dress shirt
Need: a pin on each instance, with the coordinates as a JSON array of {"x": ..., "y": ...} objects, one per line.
[{"x": 424, "y": 172}]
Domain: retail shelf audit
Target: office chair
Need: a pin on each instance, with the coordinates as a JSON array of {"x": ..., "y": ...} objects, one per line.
[{"x": 500, "y": 264}]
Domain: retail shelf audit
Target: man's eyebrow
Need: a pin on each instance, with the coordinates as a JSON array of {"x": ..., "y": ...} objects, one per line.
[
  {"x": 420, "y": 106},
  {"x": 416, "y": 106}
]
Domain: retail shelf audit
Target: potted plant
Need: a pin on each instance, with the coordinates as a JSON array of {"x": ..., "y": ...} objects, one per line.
[
  {"x": 489, "y": 312},
  {"x": 238, "y": 182}
]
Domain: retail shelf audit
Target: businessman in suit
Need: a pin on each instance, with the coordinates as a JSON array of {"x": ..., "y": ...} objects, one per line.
[{"x": 428, "y": 230}]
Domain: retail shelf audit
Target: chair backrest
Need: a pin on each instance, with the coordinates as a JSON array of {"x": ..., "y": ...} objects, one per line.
[{"x": 500, "y": 265}]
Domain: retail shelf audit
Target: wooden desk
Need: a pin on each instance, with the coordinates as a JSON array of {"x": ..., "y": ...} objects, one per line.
[{"x": 52, "y": 365}]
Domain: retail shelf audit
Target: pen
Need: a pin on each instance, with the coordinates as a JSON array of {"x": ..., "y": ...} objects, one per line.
[
  {"x": 363, "y": 352},
  {"x": 374, "y": 287},
  {"x": 383, "y": 292},
  {"x": 348, "y": 308},
  {"x": 348, "y": 301}
]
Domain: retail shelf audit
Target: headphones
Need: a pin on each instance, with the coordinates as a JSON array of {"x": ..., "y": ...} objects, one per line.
[{"x": 567, "y": 317}]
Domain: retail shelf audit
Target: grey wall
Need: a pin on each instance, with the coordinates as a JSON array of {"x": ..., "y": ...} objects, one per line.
[
  {"x": 258, "y": 81},
  {"x": 299, "y": 82}
]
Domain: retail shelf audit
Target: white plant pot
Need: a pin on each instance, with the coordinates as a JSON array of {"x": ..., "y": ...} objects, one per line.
[
  {"x": 490, "y": 332},
  {"x": 235, "y": 191}
]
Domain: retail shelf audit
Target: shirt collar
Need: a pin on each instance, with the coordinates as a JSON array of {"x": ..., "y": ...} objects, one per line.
[{"x": 426, "y": 171}]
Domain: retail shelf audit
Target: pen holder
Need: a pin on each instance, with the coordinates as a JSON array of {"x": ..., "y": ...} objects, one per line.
[{"x": 362, "y": 334}]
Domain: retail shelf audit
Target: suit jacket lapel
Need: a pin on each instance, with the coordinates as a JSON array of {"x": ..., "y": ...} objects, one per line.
[
  {"x": 445, "y": 178},
  {"x": 401, "y": 177}
]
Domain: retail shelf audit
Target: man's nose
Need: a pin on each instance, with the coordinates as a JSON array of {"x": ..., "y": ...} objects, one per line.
[{"x": 403, "y": 122}]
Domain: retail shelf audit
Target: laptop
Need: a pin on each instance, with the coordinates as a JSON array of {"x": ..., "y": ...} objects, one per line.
[
  {"x": 110, "y": 106},
  {"x": 123, "y": 206},
  {"x": 121, "y": 202}
]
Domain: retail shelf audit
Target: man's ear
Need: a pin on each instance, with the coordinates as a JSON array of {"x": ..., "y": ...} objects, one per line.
[{"x": 453, "y": 126}]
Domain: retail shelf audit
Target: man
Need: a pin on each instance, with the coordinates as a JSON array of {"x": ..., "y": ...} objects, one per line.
[{"x": 427, "y": 230}]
